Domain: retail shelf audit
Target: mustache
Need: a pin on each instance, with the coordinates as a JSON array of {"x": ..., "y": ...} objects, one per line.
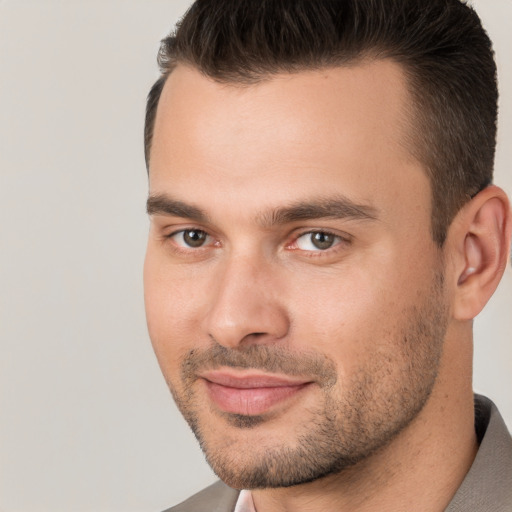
[{"x": 267, "y": 358}]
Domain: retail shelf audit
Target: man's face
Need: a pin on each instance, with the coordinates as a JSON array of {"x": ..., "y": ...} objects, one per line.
[{"x": 294, "y": 295}]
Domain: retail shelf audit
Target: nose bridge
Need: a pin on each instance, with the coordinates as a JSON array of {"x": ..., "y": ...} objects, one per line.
[{"x": 245, "y": 306}]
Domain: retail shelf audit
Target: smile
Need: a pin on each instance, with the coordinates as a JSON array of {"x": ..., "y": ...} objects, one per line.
[{"x": 250, "y": 394}]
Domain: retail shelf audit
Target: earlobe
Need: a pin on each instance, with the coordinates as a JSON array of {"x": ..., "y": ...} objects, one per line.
[{"x": 483, "y": 231}]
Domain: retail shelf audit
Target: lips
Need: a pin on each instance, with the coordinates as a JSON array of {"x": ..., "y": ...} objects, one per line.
[{"x": 250, "y": 394}]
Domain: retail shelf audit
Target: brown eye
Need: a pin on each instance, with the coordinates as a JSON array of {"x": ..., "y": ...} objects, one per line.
[
  {"x": 317, "y": 241},
  {"x": 322, "y": 240},
  {"x": 190, "y": 238}
]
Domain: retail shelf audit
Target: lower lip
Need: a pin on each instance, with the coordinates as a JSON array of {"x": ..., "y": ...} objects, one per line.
[{"x": 250, "y": 401}]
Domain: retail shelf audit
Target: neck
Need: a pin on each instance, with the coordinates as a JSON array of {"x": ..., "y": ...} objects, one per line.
[{"x": 420, "y": 470}]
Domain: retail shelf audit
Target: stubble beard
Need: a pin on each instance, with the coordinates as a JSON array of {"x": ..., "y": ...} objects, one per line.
[{"x": 345, "y": 428}]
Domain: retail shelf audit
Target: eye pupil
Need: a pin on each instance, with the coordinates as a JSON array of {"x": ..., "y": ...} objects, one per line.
[
  {"x": 194, "y": 238},
  {"x": 322, "y": 240}
]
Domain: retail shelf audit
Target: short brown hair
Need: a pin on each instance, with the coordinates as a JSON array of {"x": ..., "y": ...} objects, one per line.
[{"x": 441, "y": 45}]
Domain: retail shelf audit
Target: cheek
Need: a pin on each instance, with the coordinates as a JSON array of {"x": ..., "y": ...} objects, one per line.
[
  {"x": 341, "y": 305},
  {"x": 351, "y": 317},
  {"x": 172, "y": 311}
]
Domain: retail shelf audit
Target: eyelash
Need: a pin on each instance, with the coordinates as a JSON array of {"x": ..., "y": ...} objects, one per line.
[{"x": 339, "y": 240}]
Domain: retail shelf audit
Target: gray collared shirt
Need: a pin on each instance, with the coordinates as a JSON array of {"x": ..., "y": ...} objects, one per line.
[{"x": 488, "y": 484}]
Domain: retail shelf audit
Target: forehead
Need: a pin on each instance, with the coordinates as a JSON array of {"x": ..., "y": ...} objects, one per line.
[{"x": 299, "y": 133}]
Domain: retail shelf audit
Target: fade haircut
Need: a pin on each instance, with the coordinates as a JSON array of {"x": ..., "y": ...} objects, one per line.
[{"x": 445, "y": 53}]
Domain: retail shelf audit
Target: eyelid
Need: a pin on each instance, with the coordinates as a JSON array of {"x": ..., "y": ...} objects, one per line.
[{"x": 168, "y": 230}]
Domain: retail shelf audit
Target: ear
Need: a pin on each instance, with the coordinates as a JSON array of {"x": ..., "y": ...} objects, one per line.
[{"x": 480, "y": 241}]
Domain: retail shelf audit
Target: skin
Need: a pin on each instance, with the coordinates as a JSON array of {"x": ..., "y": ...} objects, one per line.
[{"x": 377, "y": 326}]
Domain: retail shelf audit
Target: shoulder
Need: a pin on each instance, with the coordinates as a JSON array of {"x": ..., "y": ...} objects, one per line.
[
  {"x": 215, "y": 498},
  {"x": 488, "y": 484}
]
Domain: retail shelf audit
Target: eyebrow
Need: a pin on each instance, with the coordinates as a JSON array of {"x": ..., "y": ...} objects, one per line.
[
  {"x": 337, "y": 207},
  {"x": 164, "y": 205}
]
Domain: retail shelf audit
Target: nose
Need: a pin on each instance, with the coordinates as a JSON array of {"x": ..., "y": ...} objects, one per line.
[{"x": 246, "y": 306}]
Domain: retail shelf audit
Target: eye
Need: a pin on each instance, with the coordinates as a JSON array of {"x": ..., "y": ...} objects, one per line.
[
  {"x": 190, "y": 238},
  {"x": 317, "y": 241}
]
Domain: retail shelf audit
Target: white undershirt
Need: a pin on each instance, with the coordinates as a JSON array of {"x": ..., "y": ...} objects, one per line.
[{"x": 245, "y": 502}]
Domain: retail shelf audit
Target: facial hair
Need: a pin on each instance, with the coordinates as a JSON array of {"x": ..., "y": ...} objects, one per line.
[{"x": 342, "y": 429}]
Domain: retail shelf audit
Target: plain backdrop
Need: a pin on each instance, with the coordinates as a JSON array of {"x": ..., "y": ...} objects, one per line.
[{"x": 86, "y": 420}]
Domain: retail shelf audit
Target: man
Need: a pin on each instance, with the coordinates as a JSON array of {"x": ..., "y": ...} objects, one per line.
[{"x": 323, "y": 231}]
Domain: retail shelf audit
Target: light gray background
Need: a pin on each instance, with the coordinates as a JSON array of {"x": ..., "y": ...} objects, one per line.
[{"x": 87, "y": 423}]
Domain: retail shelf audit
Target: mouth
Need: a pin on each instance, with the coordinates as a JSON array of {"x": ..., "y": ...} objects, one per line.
[{"x": 250, "y": 394}]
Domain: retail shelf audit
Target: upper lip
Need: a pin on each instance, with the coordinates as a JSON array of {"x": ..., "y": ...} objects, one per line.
[{"x": 251, "y": 379}]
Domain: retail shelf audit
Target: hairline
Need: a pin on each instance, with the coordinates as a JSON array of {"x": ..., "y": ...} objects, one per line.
[{"x": 410, "y": 143}]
